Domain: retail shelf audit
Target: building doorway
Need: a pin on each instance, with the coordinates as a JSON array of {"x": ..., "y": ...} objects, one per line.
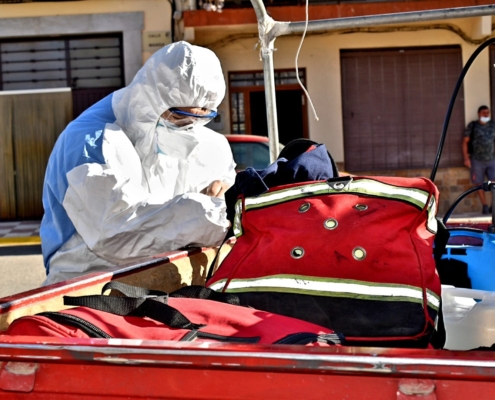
[{"x": 248, "y": 105}]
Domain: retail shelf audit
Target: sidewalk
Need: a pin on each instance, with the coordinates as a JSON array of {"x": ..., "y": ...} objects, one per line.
[
  {"x": 21, "y": 262},
  {"x": 29, "y": 231},
  {"x": 19, "y": 233}
]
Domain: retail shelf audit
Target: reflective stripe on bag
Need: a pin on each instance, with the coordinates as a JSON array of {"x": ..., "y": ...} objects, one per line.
[
  {"x": 330, "y": 288},
  {"x": 237, "y": 225}
]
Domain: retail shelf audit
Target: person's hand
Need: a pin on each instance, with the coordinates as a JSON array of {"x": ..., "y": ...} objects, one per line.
[
  {"x": 216, "y": 189},
  {"x": 467, "y": 162}
]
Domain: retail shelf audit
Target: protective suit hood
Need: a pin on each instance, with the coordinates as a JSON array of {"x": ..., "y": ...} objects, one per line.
[{"x": 178, "y": 75}]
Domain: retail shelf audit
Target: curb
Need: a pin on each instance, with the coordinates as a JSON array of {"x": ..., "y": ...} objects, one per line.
[{"x": 20, "y": 241}]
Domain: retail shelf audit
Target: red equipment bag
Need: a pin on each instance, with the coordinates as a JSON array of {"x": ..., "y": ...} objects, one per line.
[
  {"x": 351, "y": 253},
  {"x": 153, "y": 315}
]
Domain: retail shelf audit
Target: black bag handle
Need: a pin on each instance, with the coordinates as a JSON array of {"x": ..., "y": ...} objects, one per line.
[
  {"x": 201, "y": 292},
  {"x": 147, "y": 303},
  {"x": 152, "y": 304},
  {"x": 215, "y": 259},
  {"x": 141, "y": 302}
]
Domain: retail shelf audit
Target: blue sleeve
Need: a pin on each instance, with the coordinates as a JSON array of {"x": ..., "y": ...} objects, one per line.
[{"x": 80, "y": 143}]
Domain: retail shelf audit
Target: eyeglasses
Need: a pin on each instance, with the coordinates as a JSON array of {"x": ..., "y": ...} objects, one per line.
[
  {"x": 183, "y": 118},
  {"x": 181, "y": 114}
]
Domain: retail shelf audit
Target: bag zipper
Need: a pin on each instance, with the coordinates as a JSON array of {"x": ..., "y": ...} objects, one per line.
[{"x": 87, "y": 327}]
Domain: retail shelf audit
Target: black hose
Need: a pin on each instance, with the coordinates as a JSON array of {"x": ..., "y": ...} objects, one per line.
[
  {"x": 458, "y": 200},
  {"x": 452, "y": 102}
]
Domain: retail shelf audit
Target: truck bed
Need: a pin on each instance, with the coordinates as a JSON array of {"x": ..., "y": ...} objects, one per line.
[{"x": 55, "y": 368}]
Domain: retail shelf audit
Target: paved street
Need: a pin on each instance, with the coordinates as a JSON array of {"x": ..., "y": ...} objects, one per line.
[
  {"x": 21, "y": 263},
  {"x": 20, "y": 273}
]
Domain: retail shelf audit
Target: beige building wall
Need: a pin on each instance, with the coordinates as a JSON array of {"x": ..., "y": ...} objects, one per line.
[
  {"x": 157, "y": 14},
  {"x": 320, "y": 55}
]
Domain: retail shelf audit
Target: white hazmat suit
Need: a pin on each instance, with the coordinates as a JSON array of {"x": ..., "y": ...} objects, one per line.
[{"x": 121, "y": 186}]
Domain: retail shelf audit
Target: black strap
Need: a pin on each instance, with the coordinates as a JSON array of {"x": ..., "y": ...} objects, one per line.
[
  {"x": 190, "y": 292},
  {"x": 213, "y": 263},
  {"x": 132, "y": 291},
  {"x": 442, "y": 236},
  {"x": 439, "y": 336},
  {"x": 441, "y": 240},
  {"x": 201, "y": 292},
  {"x": 149, "y": 303},
  {"x": 152, "y": 304},
  {"x": 151, "y": 307}
]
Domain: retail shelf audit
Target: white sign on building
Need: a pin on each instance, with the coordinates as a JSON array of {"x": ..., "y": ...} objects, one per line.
[{"x": 154, "y": 40}]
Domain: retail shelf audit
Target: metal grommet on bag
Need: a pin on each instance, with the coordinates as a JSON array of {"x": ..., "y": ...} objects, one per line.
[
  {"x": 304, "y": 207},
  {"x": 359, "y": 253},
  {"x": 339, "y": 186},
  {"x": 330, "y": 223},
  {"x": 361, "y": 207},
  {"x": 297, "y": 252}
]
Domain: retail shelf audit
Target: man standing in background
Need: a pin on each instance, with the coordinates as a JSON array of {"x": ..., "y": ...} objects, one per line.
[{"x": 478, "y": 151}]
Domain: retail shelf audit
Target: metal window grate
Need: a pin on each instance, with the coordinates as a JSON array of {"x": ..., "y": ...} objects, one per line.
[
  {"x": 238, "y": 114},
  {"x": 95, "y": 62},
  {"x": 91, "y": 62},
  {"x": 244, "y": 79}
]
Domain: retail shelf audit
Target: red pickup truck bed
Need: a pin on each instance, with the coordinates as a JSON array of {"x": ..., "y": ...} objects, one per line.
[{"x": 53, "y": 368}]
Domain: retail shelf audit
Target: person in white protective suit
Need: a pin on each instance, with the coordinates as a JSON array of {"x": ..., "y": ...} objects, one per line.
[{"x": 137, "y": 173}]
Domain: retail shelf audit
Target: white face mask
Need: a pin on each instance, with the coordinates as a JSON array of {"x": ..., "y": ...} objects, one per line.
[
  {"x": 175, "y": 141},
  {"x": 484, "y": 120}
]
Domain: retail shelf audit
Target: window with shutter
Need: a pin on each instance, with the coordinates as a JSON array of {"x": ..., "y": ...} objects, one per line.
[
  {"x": 394, "y": 105},
  {"x": 91, "y": 65}
]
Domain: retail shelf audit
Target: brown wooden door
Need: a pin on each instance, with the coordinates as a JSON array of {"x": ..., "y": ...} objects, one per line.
[
  {"x": 7, "y": 172},
  {"x": 394, "y": 106},
  {"x": 34, "y": 122}
]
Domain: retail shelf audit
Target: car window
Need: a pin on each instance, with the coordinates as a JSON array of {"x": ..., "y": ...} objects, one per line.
[{"x": 251, "y": 154}]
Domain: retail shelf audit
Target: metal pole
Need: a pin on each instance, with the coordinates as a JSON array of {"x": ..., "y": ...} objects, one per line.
[
  {"x": 285, "y": 28},
  {"x": 264, "y": 23},
  {"x": 271, "y": 104}
]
